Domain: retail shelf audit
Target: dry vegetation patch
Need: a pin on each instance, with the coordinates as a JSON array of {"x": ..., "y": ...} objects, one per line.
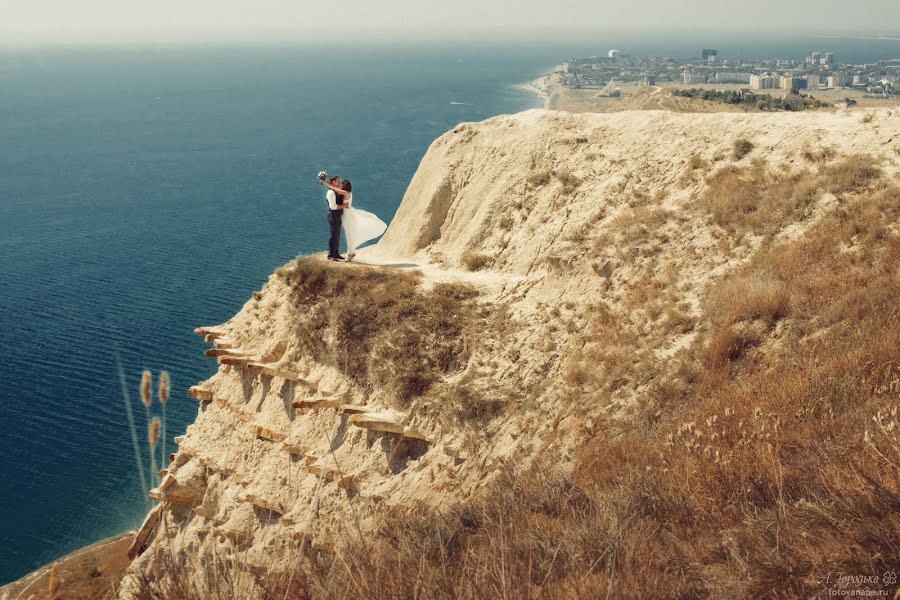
[
  {"x": 761, "y": 201},
  {"x": 382, "y": 330},
  {"x": 475, "y": 261},
  {"x": 750, "y": 475},
  {"x": 742, "y": 148}
]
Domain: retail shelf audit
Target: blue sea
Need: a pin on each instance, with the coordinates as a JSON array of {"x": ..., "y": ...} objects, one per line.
[{"x": 147, "y": 190}]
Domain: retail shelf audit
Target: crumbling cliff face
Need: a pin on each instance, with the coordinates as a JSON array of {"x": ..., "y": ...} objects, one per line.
[{"x": 541, "y": 274}]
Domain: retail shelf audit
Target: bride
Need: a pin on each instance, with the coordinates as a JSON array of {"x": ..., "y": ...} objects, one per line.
[{"x": 359, "y": 226}]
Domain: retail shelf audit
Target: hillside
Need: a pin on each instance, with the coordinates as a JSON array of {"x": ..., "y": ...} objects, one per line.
[{"x": 641, "y": 353}]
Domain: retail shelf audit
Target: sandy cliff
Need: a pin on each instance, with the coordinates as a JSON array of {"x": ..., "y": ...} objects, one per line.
[{"x": 516, "y": 237}]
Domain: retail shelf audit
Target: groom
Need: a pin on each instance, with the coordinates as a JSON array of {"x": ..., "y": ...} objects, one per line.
[{"x": 335, "y": 210}]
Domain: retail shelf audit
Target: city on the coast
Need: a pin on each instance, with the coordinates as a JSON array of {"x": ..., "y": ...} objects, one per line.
[{"x": 737, "y": 80}]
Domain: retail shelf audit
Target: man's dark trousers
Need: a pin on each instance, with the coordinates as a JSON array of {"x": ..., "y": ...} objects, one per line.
[{"x": 334, "y": 222}]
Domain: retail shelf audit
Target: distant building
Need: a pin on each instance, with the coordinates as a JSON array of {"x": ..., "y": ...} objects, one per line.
[
  {"x": 793, "y": 83},
  {"x": 649, "y": 80},
  {"x": 614, "y": 54},
  {"x": 813, "y": 59},
  {"x": 694, "y": 78},
  {"x": 828, "y": 59},
  {"x": 835, "y": 81},
  {"x": 812, "y": 81},
  {"x": 765, "y": 82},
  {"x": 710, "y": 55}
]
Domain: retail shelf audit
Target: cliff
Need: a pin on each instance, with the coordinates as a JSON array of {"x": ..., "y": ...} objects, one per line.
[{"x": 546, "y": 275}]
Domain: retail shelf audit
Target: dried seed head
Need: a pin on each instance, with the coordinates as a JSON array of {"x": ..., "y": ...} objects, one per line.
[
  {"x": 164, "y": 387},
  {"x": 154, "y": 432},
  {"x": 146, "y": 384}
]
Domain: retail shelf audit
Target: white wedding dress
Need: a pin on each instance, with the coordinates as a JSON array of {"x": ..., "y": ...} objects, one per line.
[{"x": 360, "y": 226}]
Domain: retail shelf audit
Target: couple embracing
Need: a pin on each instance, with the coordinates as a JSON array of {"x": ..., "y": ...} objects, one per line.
[{"x": 359, "y": 226}]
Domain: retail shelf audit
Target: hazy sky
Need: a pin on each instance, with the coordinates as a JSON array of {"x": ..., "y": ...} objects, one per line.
[{"x": 66, "y": 21}]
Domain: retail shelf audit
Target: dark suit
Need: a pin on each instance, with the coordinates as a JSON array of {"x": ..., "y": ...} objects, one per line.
[{"x": 334, "y": 223}]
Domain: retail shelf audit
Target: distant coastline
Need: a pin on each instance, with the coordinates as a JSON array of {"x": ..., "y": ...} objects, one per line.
[{"x": 541, "y": 88}]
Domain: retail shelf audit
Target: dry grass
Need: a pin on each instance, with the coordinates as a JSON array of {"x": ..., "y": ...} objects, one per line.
[
  {"x": 851, "y": 174},
  {"x": 760, "y": 201},
  {"x": 741, "y": 482},
  {"x": 475, "y": 261},
  {"x": 540, "y": 178},
  {"x": 696, "y": 163},
  {"x": 819, "y": 156},
  {"x": 743, "y": 310},
  {"x": 382, "y": 330},
  {"x": 642, "y": 229},
  {"x": 746, "y": 474},
  {"x": 569, "y": 181}
]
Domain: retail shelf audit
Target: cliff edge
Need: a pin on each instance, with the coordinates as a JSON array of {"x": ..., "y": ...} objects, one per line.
[{"x": 546, "y": 279}]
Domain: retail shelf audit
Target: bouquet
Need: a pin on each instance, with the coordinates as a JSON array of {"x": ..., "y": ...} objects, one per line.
[{"x": 322, "y": 175}]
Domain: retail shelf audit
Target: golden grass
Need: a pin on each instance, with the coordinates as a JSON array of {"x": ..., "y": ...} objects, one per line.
[
  {"x": 760, "y": 201},
  {"x": 743, "y": 482}
]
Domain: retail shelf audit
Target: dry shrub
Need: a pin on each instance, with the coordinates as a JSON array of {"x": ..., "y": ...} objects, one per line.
[
  {"x": 819, "y": 156},
  {"x": 569, "y": 181},
  {"x": 475, "y": 261},
  {"x": 505, "y": 221},
  {"x": 742, "y": 148},
  {"x": 462, "y": 403},
  {"x": 695, "y": 163},
  {"x": 540, "y": 178}
]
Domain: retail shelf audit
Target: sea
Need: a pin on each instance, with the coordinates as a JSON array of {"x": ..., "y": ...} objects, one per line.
[{"x": 147, "y": 190}]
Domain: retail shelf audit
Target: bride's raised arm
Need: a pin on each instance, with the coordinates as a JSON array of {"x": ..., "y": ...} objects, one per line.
[{"x": 335, "y": 189}]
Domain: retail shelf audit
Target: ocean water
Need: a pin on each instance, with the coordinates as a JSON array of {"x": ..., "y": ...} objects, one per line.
[{"x": 146, "y": 191}]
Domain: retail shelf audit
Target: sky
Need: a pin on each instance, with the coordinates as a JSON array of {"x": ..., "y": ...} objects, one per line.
[{"x": 101, "y": 21}]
